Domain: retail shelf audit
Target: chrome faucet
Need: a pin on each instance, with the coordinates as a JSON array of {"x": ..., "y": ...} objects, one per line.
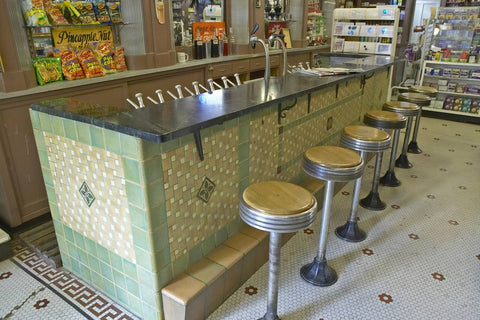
[
  {"x": 253, "y": 41},
  {"x": 279, "y": 38}
]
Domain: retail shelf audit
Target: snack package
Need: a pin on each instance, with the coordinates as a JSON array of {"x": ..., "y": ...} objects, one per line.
[
  {"x": 104, "y": 53},
  {"x": 47, "y": 69},
  {"x": 70, "y": 66},
  {"x": 114, "y": 11},
  {"x": 70, "y": 13},
  {"x": 119, "y": 57},
  {"x": 90, "y": 65},
  {"x": 101, "y": 12},
  {"x": 54, "y": 14},
  {"x": 34, "y": 13},
  {"x": 87, "y": 14}
]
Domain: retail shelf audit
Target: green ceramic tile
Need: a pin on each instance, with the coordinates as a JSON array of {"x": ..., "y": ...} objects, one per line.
[
  {"x": 109, "y": 289},
  {"x": 39, "y": 139},
  {"x": 83, "y": 132},
  {"x": 70, "y": 132},
  {"x": 230, "y": 123},
  {"x": 243, "y": 169},
  {"x": 85, "y": 273},
  {"x": 180, "y": 265},
  {"x": 45, "y": 122},
  {"x": 170, "y": 145},
  {"x": 220, "y": 236},
  {"x": 129, "y": 268},
  {"x": 245, "y": 119},
  {"x": 244, "y": 134},
  {"x": 164, "y": 276},
  {"x": 156, "y": 194},
  {"x": 162, "y": 259},
  {"x": 132, "y": 286},
  {"x": 187, "y": 139},
  {"x": 135, "y": 194},
  {"x": 82, "y": 255},
  {"x": 72, "y": 250},
  {"x": 195, "y": 254},
  {"x": 141, "y": 239},
  {"x": 157, "y": 217},
  {"x": 131, "y": 170},
  {"x": 58, "y": 226},
  {"x": 243, "y": 151},
  {"x": 96, "y": 135},
  {"x": 62, "y": 246},
  {"x": 153, "y": 169},
  {"x": 243, "y": 184},
  {"x": 43, "y": 156},
  {"x": 57, "y": 126},
  {"x": 130, "y": 146},
  {"x": 103, "y": 254},
  {"x": 90, "y": 246},
  {"x": 68, "y": 233},
  {"x": 98, "y": 281},
  {"x": 47, "y": 177},
  {"x": 234, "y": 226},
  {"x": 106, "y": 271},
  {"x": 75, "y": 265},
  {"x": 51, "y": 194},
  {"x": 56, "y": 215},
  {"x": 66, "y": 260},
  {"x": 94, "y": 263},
  {"x": 207, "y": 132},
  {"x": 160, "y": 238},
  {"x": 138, "y": 217},
  {"x": 135, "y": 304},
  {"x": 208, "y": 245},
  {"x": 145, "y": 276},
  {"x": 116, "y": 261},
  {"x": 144, "y": 259},
  {"x": 119, "y": 279},
  {"x": 34, "y": 119},
  {"x": 149, "y": 313},
  {"x": 147, "y": 294},
  {"x": 150, "y": 149},
  {"x": 112, "y": 141},
  {"x": 78, "y": 240}
]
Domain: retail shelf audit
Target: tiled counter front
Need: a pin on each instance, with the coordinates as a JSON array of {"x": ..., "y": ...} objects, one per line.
[{"x": 130, "y": 215}]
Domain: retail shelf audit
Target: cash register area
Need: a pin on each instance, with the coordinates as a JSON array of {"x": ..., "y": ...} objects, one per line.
[{"x": 421, "y": 259}]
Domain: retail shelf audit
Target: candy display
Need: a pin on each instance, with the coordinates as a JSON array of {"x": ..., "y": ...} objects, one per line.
[
  {"x": 47, "y": 69},
  {"x": 70, "y": 66},
  {"x": 104, "y": 55},
  {"x": 90, "y": 64},
  {"x": 462, "y": 104}
]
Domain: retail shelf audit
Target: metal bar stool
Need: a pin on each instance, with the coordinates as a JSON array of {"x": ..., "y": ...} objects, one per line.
[
  {"x": 385, "y": 120},
  {"x": 422, "y": 100},
  {"x": 363, "y": 139},
  {"x": 277, "y": 207},
  {"x": 331, "y": 164},
  {"x": 409, "y": 110}
]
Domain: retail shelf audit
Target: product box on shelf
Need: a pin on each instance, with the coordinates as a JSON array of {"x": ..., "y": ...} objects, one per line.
[
  {"x": 470, "y": 88},
  {"x": 452, "y": 87}
]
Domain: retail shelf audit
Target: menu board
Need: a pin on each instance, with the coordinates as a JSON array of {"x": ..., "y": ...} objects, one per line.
[{"x": 206, "y": 30}]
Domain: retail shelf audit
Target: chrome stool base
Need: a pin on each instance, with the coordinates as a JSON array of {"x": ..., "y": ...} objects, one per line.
[
  {"x": 373, "y": 202},
  {"x": 390, "y": 180},
  {"x": 402, "y": 162},
  {"x": 319, "y": 273},
  {"x": 413, "y": 147},
  {"x": 351, "y": 232},
  {"x": 266, "y": 317}
]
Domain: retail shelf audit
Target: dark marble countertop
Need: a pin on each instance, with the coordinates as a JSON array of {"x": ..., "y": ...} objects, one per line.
[{"x": 174, "y": 119}]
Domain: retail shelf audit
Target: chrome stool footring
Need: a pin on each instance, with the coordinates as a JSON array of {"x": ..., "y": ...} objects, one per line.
[
  {"x": 413, "y": 145},
  {"x": 402, "y": 161},
  {"x": 372, "y": 201},
  {"x": 389, "y": 179}
]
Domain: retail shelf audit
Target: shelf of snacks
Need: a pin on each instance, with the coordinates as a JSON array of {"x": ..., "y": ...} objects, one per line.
[{"x": 72, "y": 40}]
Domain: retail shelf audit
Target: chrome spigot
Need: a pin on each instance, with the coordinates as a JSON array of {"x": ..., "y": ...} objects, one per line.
[
  {"x": 279, "y": 38},
  {"x": 253, "y": 41}
]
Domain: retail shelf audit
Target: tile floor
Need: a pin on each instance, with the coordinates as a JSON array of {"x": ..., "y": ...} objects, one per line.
[{"x": 421, "y": 259}]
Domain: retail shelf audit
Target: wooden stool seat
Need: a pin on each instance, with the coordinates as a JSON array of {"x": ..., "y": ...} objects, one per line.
[
  {"x": 333, "y": 163},
  {"x": 365, "y": 133},
  {"x": 385, "y": 119},
  {"x": 429, "y": 91},
  {"x": 406, "y": 108},
  {"x": 420, "y": 99}
]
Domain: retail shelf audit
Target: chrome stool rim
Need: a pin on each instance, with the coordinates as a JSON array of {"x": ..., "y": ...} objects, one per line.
[
  {"x": 363, "y": 145},
  {"x": 332, "y": 174}
]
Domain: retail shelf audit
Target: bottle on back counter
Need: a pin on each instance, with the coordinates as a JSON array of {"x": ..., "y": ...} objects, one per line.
[
  {"x": 231, "y": 47},
  {"x": 225, "y": 46},
  {"x": 215, "y": 50},
  {"x": 199, "y": 48}
]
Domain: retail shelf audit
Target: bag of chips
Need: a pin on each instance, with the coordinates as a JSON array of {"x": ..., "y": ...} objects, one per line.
[
  {"x": 104, "y": 53},
  {"x": 101, "y": 12},
  {"x": 70, "y": 66},
  {"x": 90, "y": 65},
  {"x": 87, "y": 14},
  {"x": 47, "y": 69},
  {"x": 70, "y": 13},
  {"x": 119, "y": 57},
  {"x": 114, "y": 10},
  {"x": 34, "y": 13},
  {"x": 54, "y": 14}
]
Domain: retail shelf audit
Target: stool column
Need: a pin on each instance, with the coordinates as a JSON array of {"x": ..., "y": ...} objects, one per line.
[
  {"x": 413, "y": 145},
  {"x": 389, "y": 179},
  {"x": 402, "y": 161},
  {"x": 273, "y": 276},
  {"x": 318, "y": 272},
  {"x": 350, "y": 230},
  {"x": 372, "y": 201}
]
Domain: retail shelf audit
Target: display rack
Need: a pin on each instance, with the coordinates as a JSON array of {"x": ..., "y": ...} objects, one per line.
[{"x": 365, "y": 30}]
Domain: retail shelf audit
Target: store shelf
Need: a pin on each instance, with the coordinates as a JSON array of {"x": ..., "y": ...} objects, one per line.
[
  {"x": 453, "y": 79},
  {"x": 467, "y": 114},
  {"x": 460, "y": 94},
  {"x": 460, "y": 64}
]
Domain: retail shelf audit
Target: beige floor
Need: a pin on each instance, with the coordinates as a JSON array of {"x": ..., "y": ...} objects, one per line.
[{"x": 421, "y": 259}]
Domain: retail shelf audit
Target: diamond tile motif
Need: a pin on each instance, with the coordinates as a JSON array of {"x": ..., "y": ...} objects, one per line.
[
  {"x": 87, "y": 194},
  {"x": 206, "y": 190}
]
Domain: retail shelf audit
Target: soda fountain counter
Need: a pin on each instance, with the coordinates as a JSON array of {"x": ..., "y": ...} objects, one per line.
[{"x": 139, "y": 195}]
